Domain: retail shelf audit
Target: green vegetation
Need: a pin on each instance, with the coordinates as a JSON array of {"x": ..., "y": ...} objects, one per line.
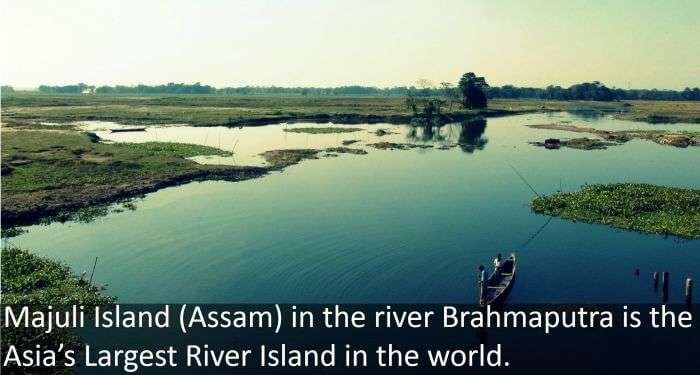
[
  {"x": 663, "y": 137},
  {"x": 581, "y": 91},
  {"x": 397, "y": 146},
  {"x": 50, "y": 172},
  {"x": 346, "y": 150},
  {"x": 473, "y": 91},
  {"x": 324, "y": 130},
  {"x": 30, "y": 279},
  {"x": 49, "y": 168},
  {"x": 576, "y": 143},
  {"x": 663, "y": 111},
  {"x": 641, "y": 207},
  {"x": 283, "y": 158},
  {"x": 37, "y": 110}
]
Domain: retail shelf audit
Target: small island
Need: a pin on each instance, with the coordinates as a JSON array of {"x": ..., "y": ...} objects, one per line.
[
  {"x": 322, "y": 130},
  {"x": 641, "y": 207}
]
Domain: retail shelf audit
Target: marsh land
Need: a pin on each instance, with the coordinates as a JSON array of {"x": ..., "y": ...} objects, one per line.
[
  {"x": 61, "y": 161},
  {"x": 51, "y": 165}
]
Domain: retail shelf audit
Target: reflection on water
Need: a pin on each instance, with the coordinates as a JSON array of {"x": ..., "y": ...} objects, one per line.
[
  {"x": 467, "y": 135},
  {"x": 387, "y": 227},
  {"x": 470, "y": 135},
  {"x": 248, "y": 143}
]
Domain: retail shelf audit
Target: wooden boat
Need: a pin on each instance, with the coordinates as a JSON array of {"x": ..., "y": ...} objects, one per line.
[
  {"x": 122, "y": 130},
  {"x": 495, "y": 289}
]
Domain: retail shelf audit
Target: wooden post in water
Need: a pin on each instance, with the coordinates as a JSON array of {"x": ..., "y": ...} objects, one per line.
[
  {"x": 689, "y": 291},
  {"x": 482, "y": 284},
  {"x": 664, "y": 285},
  {"x": 93, "y": 271}
]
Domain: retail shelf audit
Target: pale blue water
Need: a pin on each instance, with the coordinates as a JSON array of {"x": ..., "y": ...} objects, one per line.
[{"x": 388, "y": 227}]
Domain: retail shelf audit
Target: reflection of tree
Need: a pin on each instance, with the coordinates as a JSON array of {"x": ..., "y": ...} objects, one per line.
[
  {"x": 470, "y": 134},
  {"x": 428, "y": 132}
]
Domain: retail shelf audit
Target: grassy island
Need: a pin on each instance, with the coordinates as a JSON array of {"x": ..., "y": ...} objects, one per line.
[
  {"x": 47, "y": 172},
  {"x": 641, "y": 207},
  {"x": 30, "y": 279},
  {"x": 320, "y": 130}
]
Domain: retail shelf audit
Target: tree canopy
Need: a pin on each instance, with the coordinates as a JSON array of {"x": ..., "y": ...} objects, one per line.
[{"x": 473, "y": 90}]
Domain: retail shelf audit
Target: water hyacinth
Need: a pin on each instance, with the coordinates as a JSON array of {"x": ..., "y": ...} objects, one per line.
[{"x": 641, "y": 207}]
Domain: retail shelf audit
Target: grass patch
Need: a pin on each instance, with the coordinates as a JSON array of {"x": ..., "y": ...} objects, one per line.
[
  {"x": 283, "y": 158},
  {"x": 324, "y": 130},
  {"x": 397, "y": 146},
  {"x": 32, "y": 108},
  {"x": 680, "y": 139},
  {"x": 37, "y": 282},
  {"x": 167, "y": 149},
  {"x": 206, "y": 110},
  {"x": 50, "y": 172},
  {"x": 28, "y": 279},
  {"x": 576, "y": 143},
  {"x": 641, "y": 207},
  {"x": 654, "y": 111}
]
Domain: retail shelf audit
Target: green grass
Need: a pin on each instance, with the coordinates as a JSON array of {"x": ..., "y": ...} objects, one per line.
[
  {"x": 663, "y": 137},
  {"x": 24, "y": 108},
  {"x": 58, "y": 160},
  {"x": 658, "y": 111},
  {"x": 30, "y": 279},
  {"x": 322, "y": 130},
  {"x": 49, "y": 171},
  {"x": 641, "y": 207},
  {"x": 38, "y": 282}
]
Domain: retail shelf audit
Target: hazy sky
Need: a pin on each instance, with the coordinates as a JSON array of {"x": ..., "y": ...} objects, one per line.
[{"x": 640, "y": 43}]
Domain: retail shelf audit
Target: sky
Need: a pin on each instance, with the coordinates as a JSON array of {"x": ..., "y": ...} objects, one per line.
[{"x": 635, "y": 43}]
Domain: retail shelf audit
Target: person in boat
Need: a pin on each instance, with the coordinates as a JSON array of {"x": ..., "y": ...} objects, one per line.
[{"x": 497, "y": 264}]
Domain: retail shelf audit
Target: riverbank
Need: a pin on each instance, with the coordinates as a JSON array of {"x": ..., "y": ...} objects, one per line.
[
  {"x": 50, "y": 167},
  {"x": 27, "y": 109},
  {"x": 46, "y": 173},
  {"x": 641, "y": 207},
  {"x": 30, "y": 279}
]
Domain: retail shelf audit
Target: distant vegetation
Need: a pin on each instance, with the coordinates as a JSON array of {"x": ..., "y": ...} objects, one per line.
[
  {"x": 427, "y": 110},
  {"x": 582, "y": 91},
  {"x": 642, "y": 207}
]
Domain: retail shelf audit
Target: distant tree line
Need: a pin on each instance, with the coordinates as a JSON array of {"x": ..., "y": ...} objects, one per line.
[
  {"x": 582, "y": 91},
  {"x": 170, "y": 88},
  {"x": 591, "y": 91},
  {"x": 68, "y": 89}
]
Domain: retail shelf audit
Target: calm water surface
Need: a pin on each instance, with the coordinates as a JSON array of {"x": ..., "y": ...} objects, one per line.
[{"x": 387, "y": 227}]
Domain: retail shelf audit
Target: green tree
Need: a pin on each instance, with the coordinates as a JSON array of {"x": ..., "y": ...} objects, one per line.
[{"x": 473, "y": 91}]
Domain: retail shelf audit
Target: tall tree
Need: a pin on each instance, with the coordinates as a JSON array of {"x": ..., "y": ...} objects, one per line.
[{"x": 473, "y": 91}]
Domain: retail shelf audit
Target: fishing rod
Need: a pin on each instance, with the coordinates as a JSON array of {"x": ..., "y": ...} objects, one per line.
[{"x": 524, "y": 180}]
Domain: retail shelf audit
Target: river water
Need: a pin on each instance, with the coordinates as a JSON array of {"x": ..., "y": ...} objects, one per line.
[{"x": 407, "y": 226}]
